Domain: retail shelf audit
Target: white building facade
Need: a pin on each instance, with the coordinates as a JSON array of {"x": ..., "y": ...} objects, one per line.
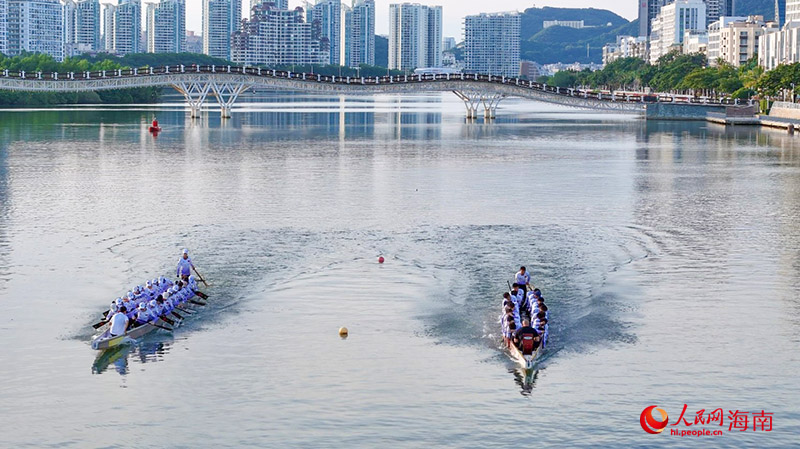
[
  {"x": 671, "y": 24},
  {"x": 123, "y": 27},
  {"x": 275, "y": 36},
  {"x": 220, "y": 19},
  {"x": 360, "y": 34},
  {"x": 415, "y": 36},
  {"x": 625, "y": 47},
  {"x": 3, "y": 26},
  {"x": 35, "y": 26},
  {"x": 328, "y": 18},
  {"x": 166, "y": 27},
  {"x": 491, "y": 44}
]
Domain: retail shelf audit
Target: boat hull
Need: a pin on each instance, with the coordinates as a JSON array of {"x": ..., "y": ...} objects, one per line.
[
  {"x": 105, "y": 340},
  {"x": 526, "y": 362}
]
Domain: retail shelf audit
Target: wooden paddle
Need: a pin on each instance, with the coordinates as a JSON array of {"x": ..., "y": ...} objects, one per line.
[
  {"x": 200, "y": 276},
  {"x": 100, "y": 324},
  {"x": 197, "y": 302},
  {"x": 161, "y": 327},
  {"x": 167, "y": 320}
]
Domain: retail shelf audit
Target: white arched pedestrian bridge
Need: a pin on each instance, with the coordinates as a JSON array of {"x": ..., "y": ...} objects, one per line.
[{"x": 226, "y": 83}]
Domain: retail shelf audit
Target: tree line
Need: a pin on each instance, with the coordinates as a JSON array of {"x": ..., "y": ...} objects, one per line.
[{"x": 676, "y": 72}]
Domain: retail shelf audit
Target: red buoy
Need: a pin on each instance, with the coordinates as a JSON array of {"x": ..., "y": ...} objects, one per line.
[{"x": 380, "y": 259}]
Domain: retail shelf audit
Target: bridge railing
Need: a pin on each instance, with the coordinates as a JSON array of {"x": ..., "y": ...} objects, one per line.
[{"x": 593, "y": 94}]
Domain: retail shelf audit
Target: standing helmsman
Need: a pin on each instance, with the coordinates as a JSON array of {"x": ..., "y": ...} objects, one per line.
[
  {"x": 185, "y": 266},
  {"x": 523, "y": 279}
]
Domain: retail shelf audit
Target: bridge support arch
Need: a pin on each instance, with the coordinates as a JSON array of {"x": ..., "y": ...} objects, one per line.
[
  {"x": 195, "y": 94},
  {"x": 473, "y": 99},
  {"x": 226, "y": 94}
]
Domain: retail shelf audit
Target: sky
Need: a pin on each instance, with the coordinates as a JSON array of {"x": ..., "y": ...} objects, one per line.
[{"x": 453, "y": 10}]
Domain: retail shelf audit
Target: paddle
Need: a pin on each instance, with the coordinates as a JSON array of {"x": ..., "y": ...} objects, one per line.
[
  {"x": 201, "y": 294},
  {"x": 100, "y": 324},
  {"x": 161, "y": 327},
  {"x": 197, "y": 302},
  {"x": 200, "y": 276},
  {"x": 167, "y": 320}
]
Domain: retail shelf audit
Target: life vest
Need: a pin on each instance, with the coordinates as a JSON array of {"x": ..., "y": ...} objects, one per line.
[{"x": 527, "y": 343}]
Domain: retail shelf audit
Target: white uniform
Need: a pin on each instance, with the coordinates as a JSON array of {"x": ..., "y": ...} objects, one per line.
[
  {"x": 143, "y": 316},
  {"x": 119, "y": 323},
  {"x": 522, "y": 279}
]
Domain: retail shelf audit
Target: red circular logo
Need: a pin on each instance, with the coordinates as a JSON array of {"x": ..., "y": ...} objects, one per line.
[{"x": 651, "y": 424}]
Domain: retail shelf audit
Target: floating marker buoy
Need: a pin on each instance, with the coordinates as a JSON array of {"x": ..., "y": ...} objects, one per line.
[
  {"x": 343, "y": 332},
  {"x": 380, "y": 259}
]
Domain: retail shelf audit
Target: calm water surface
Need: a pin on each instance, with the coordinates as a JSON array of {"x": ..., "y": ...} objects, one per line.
[{"x": 669, "y": 254}]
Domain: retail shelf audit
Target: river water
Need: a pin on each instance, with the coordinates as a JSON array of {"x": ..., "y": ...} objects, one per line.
[{"x": 668, "y": 252}]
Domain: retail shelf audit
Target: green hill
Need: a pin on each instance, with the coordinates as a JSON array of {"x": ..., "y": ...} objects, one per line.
[
  {"x": 764, "y": 8},
  {"x": 564, "y": 44}
]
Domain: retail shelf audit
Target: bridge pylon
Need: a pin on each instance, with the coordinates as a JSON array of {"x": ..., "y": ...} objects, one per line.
[
  {"x": 226, "y": 94},
  {"x": 473, "y": 98},
  {"x": 195, "y": 94}
]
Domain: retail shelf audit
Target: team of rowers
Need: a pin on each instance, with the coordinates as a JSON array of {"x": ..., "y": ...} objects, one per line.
[
  {"x": 521, "y": 305},
  {"x": 157, "y": 298}
]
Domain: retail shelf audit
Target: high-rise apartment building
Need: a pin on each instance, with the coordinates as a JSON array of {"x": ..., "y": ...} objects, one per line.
[
  {"x": 123, "y": 27},
  {"x": 81, "y": 27},
  {"x": 3, "y": 26},
  {"x": 220, "y": 19},
  {"x": 718, "y": 8},
  {"x": 671, "y": 24},
  {"x": 648, "y": 10},
  {"x": 780, "y": 12},
  {"x": 274, "y": 36},
  {"x": 279, "y": 4},
  {"x": 35, "y": 26},
  {"x": 327, "y": 18},
  {"x": 359, "y": 28},
  {"x": 415, "y": 36},
  {"x": 491, "y": 43},
  {"x": 792, "y": 10},
  {"x": 166, "y": 26}
]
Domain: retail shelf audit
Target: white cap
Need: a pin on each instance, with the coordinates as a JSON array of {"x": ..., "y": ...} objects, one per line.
[
  {"x": 191, "y": 278},
  {"x": 142, "y": 306},
  {"x": 161, "y": 279},
  {"x": 153, "y": 303},
  {"x": 148, "y": 284},
  {"x": 114, "y": 306},
  {"x": 130, "y": 295},
  {"x": 165, "y": 295},
  {"x": 185, "y": 251},
  {"x": 119, "y": 302}
]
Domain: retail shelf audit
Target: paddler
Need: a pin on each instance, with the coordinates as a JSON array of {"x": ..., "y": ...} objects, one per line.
[
  {"x": 143, "y": 315},
  {"x": 119, "y": 322},
  {"x": 185, "y": 265},
  {"x": 526, "y": 338},
  {"x": 523, "y": 278}
]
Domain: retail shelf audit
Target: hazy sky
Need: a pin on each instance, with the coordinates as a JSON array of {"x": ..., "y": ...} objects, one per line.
[{"x": 453, "y": 10}]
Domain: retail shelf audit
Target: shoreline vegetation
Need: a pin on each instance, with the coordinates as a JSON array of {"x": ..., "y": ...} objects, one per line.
[
  {"x": 686, "y": 74},
  {"x": 38, "y": 62}
]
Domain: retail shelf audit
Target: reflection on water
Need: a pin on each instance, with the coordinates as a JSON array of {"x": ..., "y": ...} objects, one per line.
[
  {"x": 151, "y": 349},
  {"x": 640, "y": 233},
  {"x": 525, "y": 379}
]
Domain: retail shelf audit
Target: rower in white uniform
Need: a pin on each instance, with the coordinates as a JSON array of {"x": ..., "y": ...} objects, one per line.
[
  {"x": 142, "y": 316},
  {"x": 119, "y": 322}
]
